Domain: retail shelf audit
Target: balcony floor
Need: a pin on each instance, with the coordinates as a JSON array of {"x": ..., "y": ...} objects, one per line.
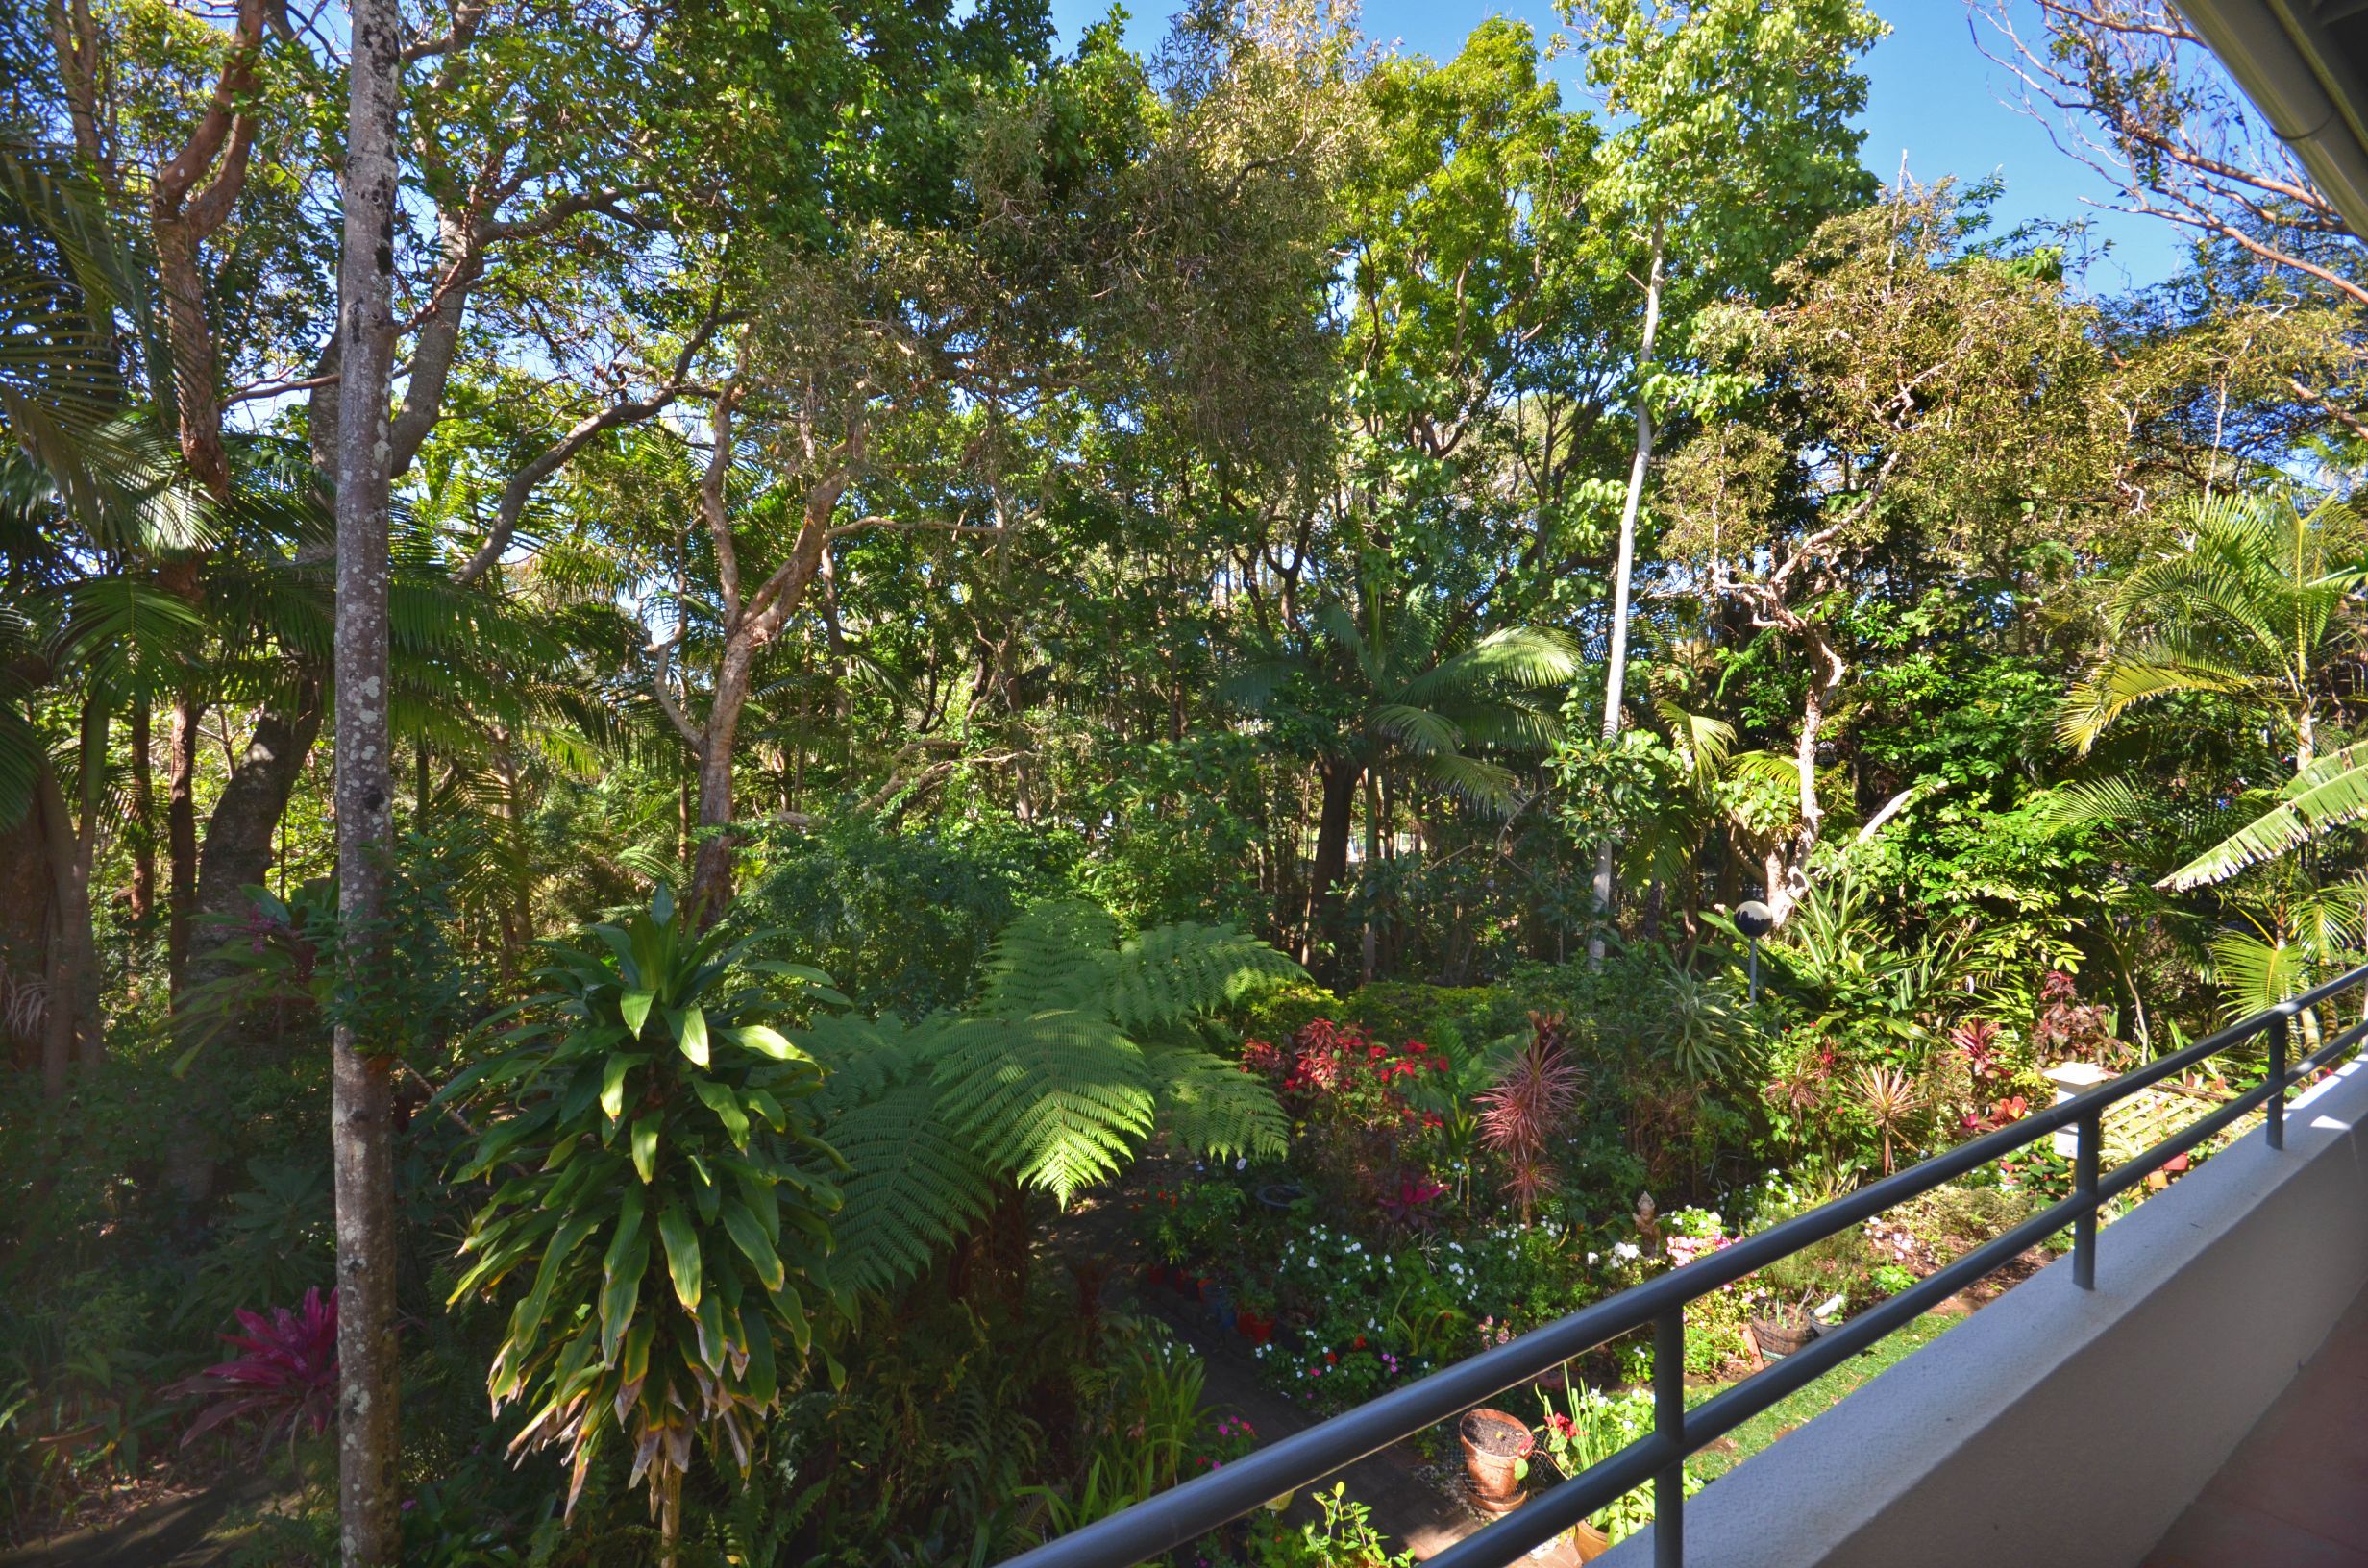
[{"x": 2295, "y": 1493}]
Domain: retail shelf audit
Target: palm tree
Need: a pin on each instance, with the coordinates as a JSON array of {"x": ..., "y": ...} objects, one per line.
[
  {"x": 2250, "y": 605},
  {"x": 1404, "y": 693}
]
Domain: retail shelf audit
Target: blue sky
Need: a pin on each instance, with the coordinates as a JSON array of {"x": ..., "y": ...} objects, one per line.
[{"x": 1933, "y": 96}]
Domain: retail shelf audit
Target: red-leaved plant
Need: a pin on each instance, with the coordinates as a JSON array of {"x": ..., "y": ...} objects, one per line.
[
  {"x": 286, "y": 1374},
  {"x": 1536, "y": 1089}
]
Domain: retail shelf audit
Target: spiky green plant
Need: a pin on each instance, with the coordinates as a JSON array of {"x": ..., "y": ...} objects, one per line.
[
  {"x": 1078, "y": 1046},
  {"x": 663, "y": 1193},
  {"x": 2249, "y": 606}
]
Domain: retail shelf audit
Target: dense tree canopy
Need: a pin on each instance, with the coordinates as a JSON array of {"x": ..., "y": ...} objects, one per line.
[{"x": 982, "y": 635}]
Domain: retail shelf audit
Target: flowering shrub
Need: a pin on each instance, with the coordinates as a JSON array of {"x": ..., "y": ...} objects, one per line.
[
  {"x": 1352, "y": 1111},
  {"x": 1590, "y": 1426},
  {"x": 1232, "y": 1437}
]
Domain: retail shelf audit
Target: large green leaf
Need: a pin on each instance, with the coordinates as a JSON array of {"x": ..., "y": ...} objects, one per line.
[
  {"x": 2330, "y": 791},
  {"x": 682, "y": 1256}
]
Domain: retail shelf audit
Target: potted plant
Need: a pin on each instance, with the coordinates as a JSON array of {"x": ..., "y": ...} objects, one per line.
[
  {"x": 1254, "y": 1307},
  {"x": 1781, "y": 1328},
  {"x": 1592, "y": 1429},
  {"x": 1497, "y": 1451}
]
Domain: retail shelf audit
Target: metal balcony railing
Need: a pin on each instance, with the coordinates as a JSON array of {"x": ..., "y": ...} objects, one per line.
[{"x": 1162, "y": 1523}]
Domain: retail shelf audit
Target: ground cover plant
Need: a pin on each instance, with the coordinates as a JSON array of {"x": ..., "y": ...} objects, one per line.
[{"x": 747, "y": 752}]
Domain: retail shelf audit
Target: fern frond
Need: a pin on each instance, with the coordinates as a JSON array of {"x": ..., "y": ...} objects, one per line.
[
  {"x": 912, "y": 1188},
  {"x": 1171, "y": 972},
  {"x": 1212, "y": 1106},
  {"x": 1055, "y": 955},
  {"x": 1058, "y": 1099}
]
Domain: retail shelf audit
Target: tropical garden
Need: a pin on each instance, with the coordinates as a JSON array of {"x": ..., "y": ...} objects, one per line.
[{"x": 823, "y": 782}]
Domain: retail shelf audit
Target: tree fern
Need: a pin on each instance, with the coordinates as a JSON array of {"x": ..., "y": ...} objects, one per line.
[
  {"x": 1058, "y": 1099},
  {"x": 1078, "y": 1048},
  {"x": 913, "y": 1184},
  {"x": 1171, "y": 972},
  {"x": 1210, "y": 1104}
]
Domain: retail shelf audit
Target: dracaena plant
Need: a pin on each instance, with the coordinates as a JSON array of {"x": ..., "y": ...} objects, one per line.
[
  {"x": 284, "y": 1375},
  {"x": 662, "y": 1201},
  {"x": 1523, "y": 1111}
]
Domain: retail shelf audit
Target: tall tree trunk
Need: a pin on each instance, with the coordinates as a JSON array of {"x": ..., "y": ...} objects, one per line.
[
  {"x": 60, "y": 976},
  {"x": 362, "y": 1122},
  {"x": 1373, "y": 865},
  {"x": 181, "y": 837},
  {"x": 1788, "y": 874},
  {"x": 1340, "y": 795},
  {"x": 711, "y": 865},
  {"x": 88, "y": 1031},
  {"x": 238, "y": 835},
  {"x": 143, "y": 818},
  {"x": 1615, "y": 670}
]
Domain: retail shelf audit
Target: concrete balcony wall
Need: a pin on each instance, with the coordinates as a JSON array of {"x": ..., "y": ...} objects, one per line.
[{"x": 2071, "y": 1427}]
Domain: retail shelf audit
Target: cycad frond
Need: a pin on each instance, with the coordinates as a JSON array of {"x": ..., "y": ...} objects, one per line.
[
  {"x": 1526, "y": 657},
  {"x": 2140, "y": 675},
  {"x": 1419, "y": 731},
  {"x": 1481, "y": 785},
  {"x": 2112, "y": 803},
  {"x": 1704, "y": 741}
]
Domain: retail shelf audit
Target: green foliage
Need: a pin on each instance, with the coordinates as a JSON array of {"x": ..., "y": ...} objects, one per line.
[
  {"x": 1078, "y": 1045},
  {"x": 651, "y": 1137},
  {"x": 901, "y": 920}
]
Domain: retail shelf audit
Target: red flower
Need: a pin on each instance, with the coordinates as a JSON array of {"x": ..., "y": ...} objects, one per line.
[
  {"x": 1330, "y": 1358},
  {"x": 1360, "y": 1345}
]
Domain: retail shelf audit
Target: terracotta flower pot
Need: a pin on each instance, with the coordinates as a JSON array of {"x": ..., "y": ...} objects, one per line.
[
  {"x": 1590, "y": 1543},
  {"x": 1496, "y": 1450}
]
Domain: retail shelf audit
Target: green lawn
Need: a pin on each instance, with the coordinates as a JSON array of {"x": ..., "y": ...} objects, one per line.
[{"x": 1818, "y": 1398}]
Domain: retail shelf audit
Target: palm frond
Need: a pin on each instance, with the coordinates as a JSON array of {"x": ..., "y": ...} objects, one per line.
[{"x": 2332, "y": 791}]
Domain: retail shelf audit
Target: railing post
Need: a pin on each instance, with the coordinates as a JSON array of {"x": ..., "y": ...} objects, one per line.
[
  {"x": 2277, "y": 1075},
  {"x": 1669, "y": 1425},
  {"x": 2092, "y": 1136}
]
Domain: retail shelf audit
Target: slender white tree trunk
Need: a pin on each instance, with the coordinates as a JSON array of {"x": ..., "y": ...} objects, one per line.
[
  {"x": 361, "y": 1126},
  {"x": 1616, "y": 674}
]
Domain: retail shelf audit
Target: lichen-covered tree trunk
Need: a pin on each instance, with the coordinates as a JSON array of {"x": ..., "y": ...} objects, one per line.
[{"x": 362, "y": 1128}]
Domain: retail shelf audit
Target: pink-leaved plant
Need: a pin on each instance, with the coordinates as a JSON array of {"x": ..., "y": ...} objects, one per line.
[{"x": 285, "y": 1374}]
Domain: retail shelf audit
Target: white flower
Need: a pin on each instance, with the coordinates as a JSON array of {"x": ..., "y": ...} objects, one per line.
[
  {"x": 1591, "y": 1257},
  {"x": 1241, "y": 1161},
  {"x": 1625, "y": 1252}
]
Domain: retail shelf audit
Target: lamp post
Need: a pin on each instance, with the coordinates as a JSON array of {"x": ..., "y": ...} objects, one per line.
[{"x": 1755, "y": 919}]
